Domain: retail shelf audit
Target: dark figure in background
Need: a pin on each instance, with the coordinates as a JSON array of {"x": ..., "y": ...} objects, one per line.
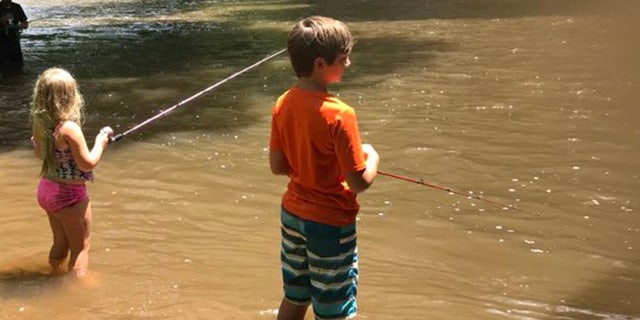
[{"x": 12, "y": 21}]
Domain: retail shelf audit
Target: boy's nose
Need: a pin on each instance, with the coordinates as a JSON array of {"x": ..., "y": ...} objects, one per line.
[{"x": 348, "y": 62}]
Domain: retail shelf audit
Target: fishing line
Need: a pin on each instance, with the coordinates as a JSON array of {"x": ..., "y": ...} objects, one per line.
[
  {"x": 193, "y": 97},
  {"x": 431, "y": 185}
]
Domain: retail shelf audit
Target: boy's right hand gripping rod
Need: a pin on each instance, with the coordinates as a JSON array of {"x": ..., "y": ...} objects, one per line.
[{"x": 119, "y": 136}]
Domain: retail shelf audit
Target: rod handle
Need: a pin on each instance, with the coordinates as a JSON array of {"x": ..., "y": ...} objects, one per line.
[{"x": 116, "y": 138}]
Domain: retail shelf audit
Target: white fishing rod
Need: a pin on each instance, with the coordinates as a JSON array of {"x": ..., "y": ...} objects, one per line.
[{"x": 195, "y": 96}]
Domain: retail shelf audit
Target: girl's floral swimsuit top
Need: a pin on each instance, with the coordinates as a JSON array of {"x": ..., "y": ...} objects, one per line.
[{"x": 68, "y": 169}]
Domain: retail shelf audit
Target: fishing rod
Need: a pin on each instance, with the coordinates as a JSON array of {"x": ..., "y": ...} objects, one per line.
[
  {"x": 195, "y": 96},
  {"x": 420, "y": 181}
]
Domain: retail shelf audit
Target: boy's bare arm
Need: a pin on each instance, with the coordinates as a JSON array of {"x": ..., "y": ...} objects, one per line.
[{"x": 360, "y": 181}]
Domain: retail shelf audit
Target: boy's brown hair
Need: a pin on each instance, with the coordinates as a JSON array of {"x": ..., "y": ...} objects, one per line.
[{"x": 314, "y": 37}]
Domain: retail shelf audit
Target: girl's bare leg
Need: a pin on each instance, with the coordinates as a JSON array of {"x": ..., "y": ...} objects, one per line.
[
  {"x": 76, "y": 221},
  {"x": 60, "y": 248}
]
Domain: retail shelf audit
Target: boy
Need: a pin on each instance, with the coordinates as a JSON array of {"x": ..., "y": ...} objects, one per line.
[{"x": 316, "y": 142}]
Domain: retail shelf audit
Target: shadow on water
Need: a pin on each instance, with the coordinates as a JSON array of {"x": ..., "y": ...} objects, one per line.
[
  {"x": 156, "y": 55},
  {"x": 116, "y": 9},
  {"x": 384, "y": 10},
  {"x": 405, "y": 52},
  {"x": 362, "y": 10},
  {"x": 179, "y": 57},
  {"x": 173, "y": 56},
  {"x": 153, "y": 51},
  {"x": 27, "y": 283}
]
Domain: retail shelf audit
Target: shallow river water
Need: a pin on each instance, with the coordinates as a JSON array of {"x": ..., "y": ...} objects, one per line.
[{"x": 529, "y": 103}]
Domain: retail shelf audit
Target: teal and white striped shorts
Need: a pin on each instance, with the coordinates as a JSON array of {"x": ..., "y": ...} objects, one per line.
[{"x": 320, "y": 265}]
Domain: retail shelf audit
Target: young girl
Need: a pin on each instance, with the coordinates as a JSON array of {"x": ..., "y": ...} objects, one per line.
[{"x": 56, "y": 115}]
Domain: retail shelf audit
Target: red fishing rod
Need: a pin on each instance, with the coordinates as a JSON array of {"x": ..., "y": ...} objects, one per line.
[
  {"x": 430, "y": 185},
  {"x": 193, "y": 97}
]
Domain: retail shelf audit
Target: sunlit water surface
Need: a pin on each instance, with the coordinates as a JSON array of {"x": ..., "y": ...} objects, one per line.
[{"x": 529, "y": 103}]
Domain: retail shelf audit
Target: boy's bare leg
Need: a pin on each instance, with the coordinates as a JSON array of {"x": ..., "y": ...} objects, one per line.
[{"x": 290, "y": 311}]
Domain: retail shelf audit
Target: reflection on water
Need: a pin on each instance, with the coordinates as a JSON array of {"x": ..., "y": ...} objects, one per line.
[{"x": 525, "y": 102}]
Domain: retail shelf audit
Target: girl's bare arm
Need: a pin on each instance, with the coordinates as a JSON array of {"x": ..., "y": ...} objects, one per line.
[{"x": 85, "y": 159}]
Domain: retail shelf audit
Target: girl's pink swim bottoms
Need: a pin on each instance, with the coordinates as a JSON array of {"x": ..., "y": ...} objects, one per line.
[{"x": 53, "y": 196}]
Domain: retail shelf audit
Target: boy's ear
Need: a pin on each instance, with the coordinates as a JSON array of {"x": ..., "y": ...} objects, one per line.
[{"x": 319, "y": 63}]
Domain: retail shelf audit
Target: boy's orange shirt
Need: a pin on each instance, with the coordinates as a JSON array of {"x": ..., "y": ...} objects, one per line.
[{"x": 319, "y": 136}]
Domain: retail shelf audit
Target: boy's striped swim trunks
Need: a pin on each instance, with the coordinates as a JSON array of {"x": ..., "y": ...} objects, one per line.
[{"x": 320, "y": 265}]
